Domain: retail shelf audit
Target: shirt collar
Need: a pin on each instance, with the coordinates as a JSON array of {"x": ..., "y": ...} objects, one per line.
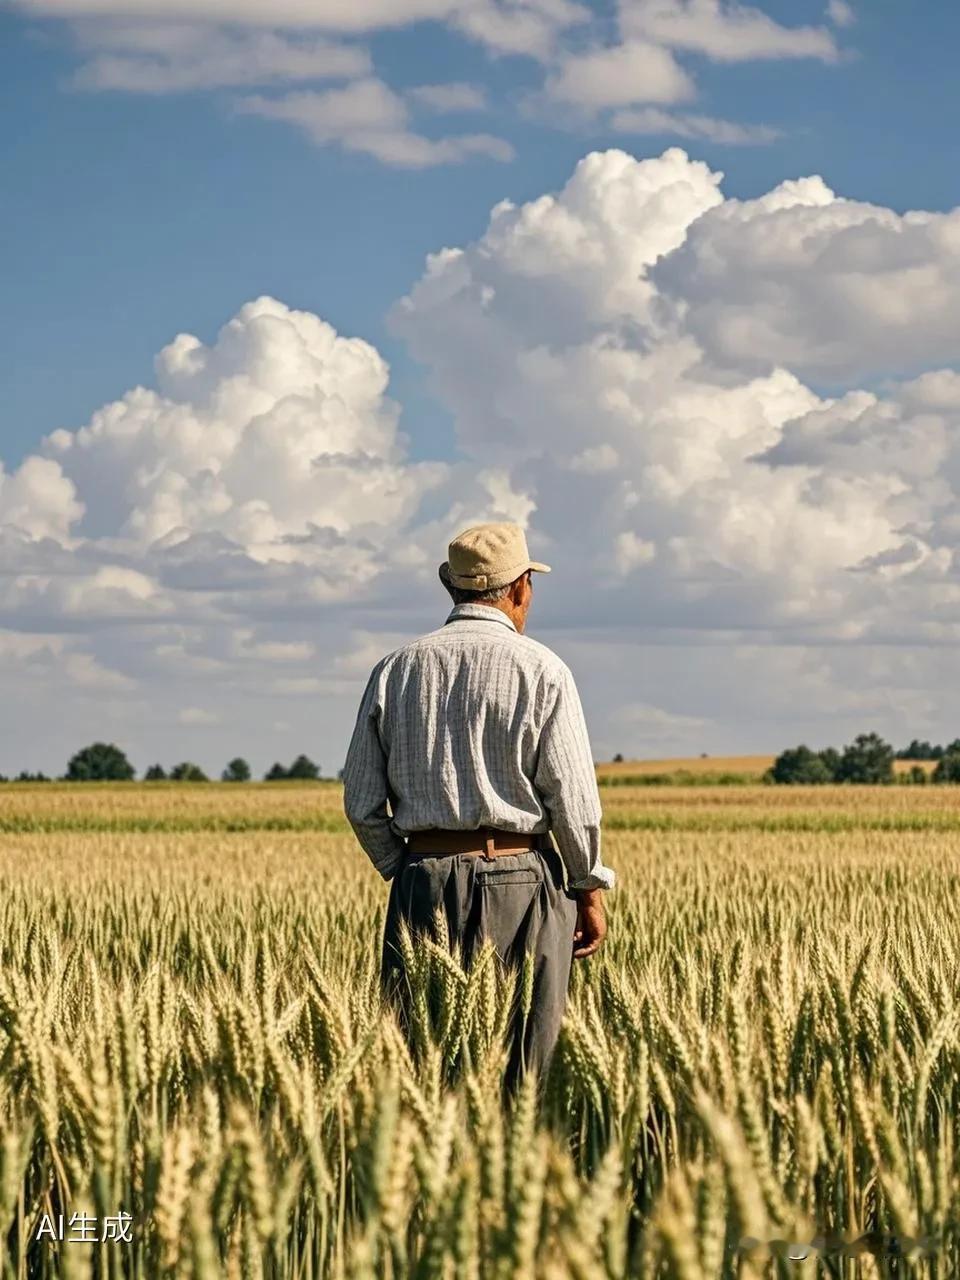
[{"x": 486, "y": 611}]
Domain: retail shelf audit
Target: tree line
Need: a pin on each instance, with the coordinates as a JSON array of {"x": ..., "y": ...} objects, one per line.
[
  {"x": 106, "y": 762},
  {"x": 867, "y": 759}
]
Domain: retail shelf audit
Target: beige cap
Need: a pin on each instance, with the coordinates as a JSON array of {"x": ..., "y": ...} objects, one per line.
[{"x": 487, "y": 556}]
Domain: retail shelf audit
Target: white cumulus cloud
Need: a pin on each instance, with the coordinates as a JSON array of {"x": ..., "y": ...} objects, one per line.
[
  {"x": 841, "y": 13},
  {"x": 38, "y": 499},
  {"x": 620, "y": 68},
  {"x": 368, "y": 116},
  {"x": 530, "y": 27},
  {"x": 205, "y": 543},
  {"x": 723, "y": 30},
  {"x": 685, "y": 124},
  {"x": 278, "y": 432},
  {"x": 151, "y": 58},
  {"x": 618, "y": 75},
  {"x": 779, "y": 553},
  {"x": 606, "y": 317},
  {"x": 836, "y": 289},
  {"x": 331, "y": 15},
  {"x": 449, "y": 97}
]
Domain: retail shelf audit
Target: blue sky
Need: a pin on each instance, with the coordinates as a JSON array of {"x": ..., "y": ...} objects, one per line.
[
  {"x": 126, "y": 217},
  {"x": 185, "y": 566}
]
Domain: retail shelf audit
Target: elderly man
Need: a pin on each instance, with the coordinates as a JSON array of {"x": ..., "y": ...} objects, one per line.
[{"x": 475, "y": 735}]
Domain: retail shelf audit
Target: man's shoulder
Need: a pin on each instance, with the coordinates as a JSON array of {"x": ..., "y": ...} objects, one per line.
[
  {"x": 551, "y": 661},
  {"x": 526, "y": 649}
]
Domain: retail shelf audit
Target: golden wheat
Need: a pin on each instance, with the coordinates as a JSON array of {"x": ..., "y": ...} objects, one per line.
[{"x": 766, "y": 1053}]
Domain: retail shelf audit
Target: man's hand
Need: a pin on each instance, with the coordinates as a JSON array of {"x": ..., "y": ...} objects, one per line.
[{"x": 591, "y": 923}]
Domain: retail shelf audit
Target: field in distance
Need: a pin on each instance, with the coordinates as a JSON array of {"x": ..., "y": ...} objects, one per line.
[
  {"x": 746, "y": 767},
  {"x": 134, "y": 808},
  {"x": 753, "y": 765}
]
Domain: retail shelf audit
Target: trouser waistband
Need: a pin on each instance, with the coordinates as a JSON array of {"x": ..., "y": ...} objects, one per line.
[{"x": 484, "y": 842}]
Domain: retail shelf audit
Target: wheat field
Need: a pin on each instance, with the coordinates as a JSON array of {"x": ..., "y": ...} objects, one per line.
[{"x": 764, "y": 1056}]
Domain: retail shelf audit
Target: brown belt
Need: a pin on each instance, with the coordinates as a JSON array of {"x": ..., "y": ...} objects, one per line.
[{"x": 484, "y": 842}]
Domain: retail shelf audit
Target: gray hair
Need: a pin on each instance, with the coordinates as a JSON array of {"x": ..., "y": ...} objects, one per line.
[
  {"x": 478, "y": 597},
  {"x": 460, "y": 595}
]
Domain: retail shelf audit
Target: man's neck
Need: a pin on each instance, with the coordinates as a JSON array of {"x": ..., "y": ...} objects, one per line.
[{"x": 506, "y": 607}]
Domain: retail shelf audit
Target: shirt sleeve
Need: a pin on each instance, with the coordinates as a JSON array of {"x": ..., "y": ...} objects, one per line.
[
  {"x": 366, "y": 788},
  {"x": 566, "y": 780}
]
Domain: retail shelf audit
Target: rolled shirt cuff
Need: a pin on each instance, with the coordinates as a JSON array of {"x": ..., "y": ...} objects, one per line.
[
  {"x": 387, "y": 852},
  {"x": 388, "y": 872},
  {"x": 600, "y": 878}
]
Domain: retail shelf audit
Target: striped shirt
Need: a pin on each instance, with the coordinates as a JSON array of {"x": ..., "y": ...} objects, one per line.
[{"x": 470, "y": 725}]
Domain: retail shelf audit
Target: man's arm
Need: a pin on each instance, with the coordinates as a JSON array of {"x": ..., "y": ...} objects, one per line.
[
  {"x": 567, "y": 782},
  {"x": 366, "y": 788}
]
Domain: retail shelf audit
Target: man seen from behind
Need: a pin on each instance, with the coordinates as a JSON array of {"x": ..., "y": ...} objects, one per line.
[{"x": 475, "y": 736}]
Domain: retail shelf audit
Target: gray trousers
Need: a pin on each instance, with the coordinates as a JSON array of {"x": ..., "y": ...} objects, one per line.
[{"x": 519, "y": 902}]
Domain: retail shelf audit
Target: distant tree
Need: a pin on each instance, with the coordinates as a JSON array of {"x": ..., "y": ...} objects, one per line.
[
  {"x": 236, "y": 771},
  {"x": 276, "y": 773},
  {"x": 800, "y": 766},
  {"x": 948, "y": 766},
  {"x": 918, "y": 775},
  {"x": 304, "y": 770},
  {"x": 100, "y": 762},
  {"x": 618, "y": 758},
  {"x": 156, "y": 773},
  {"x": 24, "y": 776},
  {"x": 918, "y": 750},
  {"x": 3, "y": 778},
  {"x": 341, "y": 773},
  {"x": 187, "y": 772},
  {"x": 831, "y": 758},
  {"x": 867, "y": 759}
]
